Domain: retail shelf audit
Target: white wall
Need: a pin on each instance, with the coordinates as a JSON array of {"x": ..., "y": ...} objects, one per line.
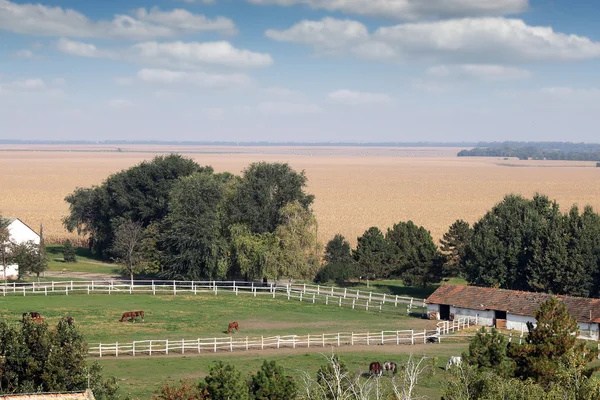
[
  {"x": 12, "y": 272},
  {"x": 588, "y": 330},
  {"x": 518, "y": 322},
  {"x": 484, "y": 318},
  {"x": 433, "y": 308},
  {"x": 21, "y": 233}
]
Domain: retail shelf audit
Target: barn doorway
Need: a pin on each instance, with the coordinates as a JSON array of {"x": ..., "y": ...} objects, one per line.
[
  {"x": 500, "y": 319},
  {"x": 445, "y": 312}
]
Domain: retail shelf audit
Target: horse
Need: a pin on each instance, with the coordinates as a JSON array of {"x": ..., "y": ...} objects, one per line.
[
  {"x": 132, "y": 315},
  {"x": 232, "y": 326},
  {"x": 390, "y": 366},
  {"x": 375, "y": 369},
  {"x": 33, "y": 315},
  {"x": 453, "y": 361},
  {"x": 38, "y": 320},
  {"x": 70, "y": 320}
]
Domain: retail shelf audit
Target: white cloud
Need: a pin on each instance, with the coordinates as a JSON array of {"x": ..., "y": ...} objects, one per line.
[
  {"x": 119, "y": 103},
  {"x": 41, "y": 20},
  {"x": 569, "y": 91},
  {"x": 279, "y": 92},
  {"x": 477, "y": 72},
  {"x": 26, "y": 85},
  {"x": 287, "y": 108},
  {"x": 81, "y": 49},
  {"x": 411, "y": 9},
  {"x": 25, "y": 53},
  {"x": 468, "y": 40},
  {"x": 352, "y": 98},
  {"x": 32, "y": 86},
  {"x": 195, "y": 53},
  {"x": 201, "y": 79}
]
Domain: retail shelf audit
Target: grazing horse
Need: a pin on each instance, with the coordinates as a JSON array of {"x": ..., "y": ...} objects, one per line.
[
  {"x": 33, "y": 315},
  {"x": 453, "y": 361},
  {"x": 375, "y": 369},
  {"x": 132, "y": 315},
  {"x": 38, "y": 320},
  {"x": 232, "y": 326},
  {"x": 390, "y": 366}
]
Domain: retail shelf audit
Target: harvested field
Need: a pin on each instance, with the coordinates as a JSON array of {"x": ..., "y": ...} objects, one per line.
[{"x": 355, "y": 188}]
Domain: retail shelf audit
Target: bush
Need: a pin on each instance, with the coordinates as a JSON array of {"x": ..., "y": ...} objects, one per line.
[
  {"x": 336, "y": 272},
  {"x": 69, "y": 252},
  {"x": 269, "y": 383}
]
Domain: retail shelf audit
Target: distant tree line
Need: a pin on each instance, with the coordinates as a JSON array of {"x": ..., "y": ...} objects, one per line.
[
  {"x": 179, "y": 220},
  {"x": 536, "y": 151}
]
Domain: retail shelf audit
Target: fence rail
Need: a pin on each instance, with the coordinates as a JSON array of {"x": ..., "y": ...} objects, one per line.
[{"x": 329, "y": 295}]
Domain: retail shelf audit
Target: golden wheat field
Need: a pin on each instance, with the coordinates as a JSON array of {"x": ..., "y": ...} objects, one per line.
[{"x": 355, "y": 188}]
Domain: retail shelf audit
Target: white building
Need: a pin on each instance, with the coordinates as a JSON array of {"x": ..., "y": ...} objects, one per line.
[
  {"x": 507, "y": 309},
  {"x": 18, "y": 233}
]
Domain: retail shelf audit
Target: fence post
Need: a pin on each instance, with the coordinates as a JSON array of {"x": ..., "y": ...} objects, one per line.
[
  {"x": 351, "y": 338},
  {"x": 117, "y": 349},
  {"x": 338, "y": 339},
  {"x": 384, "y": 298},
  {"x": 370, "y": 295},
  {"x": 308, "y": 341},
  {"x": 150, "y": 350},
  {"x": 215, "y": 348},
  {"x": 88, "y": 289},
  {"x": 332, "y": 290},
  {"x": 323, "y": 340},
  {"x": 23, "y": 291},
  {"x": 45, "y": 291},
  {"x": 367, "y": 306},
  {"x": 278, "y": 338},
  {"x": 153, "y": 288},
  {"x": 304, "y": 288},
  {"x": 216, "y": 289},
  {"x": 194, "y": 287},
  {"x": 294, "y": 341},
  {"x": 99, "y": 348},
  {"x": 397, "y": 338},
  {"x": 300, "y": 296},
  {"x": 198, "y": 345},
  {"x": 174, "y": 289},
  {"x": 318, "y": 289},
  {"x": 368, "y": 338},
  {"x": 345, "y": 290},
  {"x": 246, "y": 342},
  {"x": 230, "y": 343},
  {"x": 71, "y": 285},
  {"x": 326, "y": 299},
  {"x": 340, "y": 301},
  {"x": 53, "y": 286},
  {"x": 353, "y": 303},
  {"x": 288, "y": 293},
  {"x": 412, "y": 336},
  {"x": 424, "y": 335},
  {"x": 313, "y": 297},
  {"x": 131, "y": 287},
  {"x": 92, "y": 286},
  {"x": 66, "y": 291},
  {"x": 133, "y": 348},
  {"x": 380, "y": 307},
  {"x": 382, "y": 340},
  {"x": 262, "y": 342},
  {"x": 167, "y": 346},
  {"x": 182, "y": 346},
  {"x": 273, "y": 290},
  {"x": 254, "y": 292}
]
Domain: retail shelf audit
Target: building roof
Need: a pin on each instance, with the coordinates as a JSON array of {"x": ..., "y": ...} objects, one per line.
[
  {"x": 11, "y": 220},
  {"x": 511, "y": 301},
  {"x": 87, "y": 395}
]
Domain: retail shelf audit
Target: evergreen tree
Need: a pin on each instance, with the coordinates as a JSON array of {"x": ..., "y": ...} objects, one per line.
[
  {"x": 488, "y": 351},
  {"x": 224, "y": 382},
  {"x": 453, "y": 246},
  {"x": 42, "y": 257},
  {"x": 371, "y": 254},
  {"x": 270, "y": 383},
  {"x": 337, "y": 251},
  {"x": 69, "y": 252}
]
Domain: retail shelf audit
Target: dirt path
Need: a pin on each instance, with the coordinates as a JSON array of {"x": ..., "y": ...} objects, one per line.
[{"x": 82, "y": 275}]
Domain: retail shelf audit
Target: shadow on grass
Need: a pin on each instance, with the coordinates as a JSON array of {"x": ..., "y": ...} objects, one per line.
[{"x": 83, "y": 252}]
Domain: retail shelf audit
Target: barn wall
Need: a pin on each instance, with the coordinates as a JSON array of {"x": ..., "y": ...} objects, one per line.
[
  {"x": 518, "y": 322},
  {"x": 12, "y": 272},
  {"x": 588, "y": 330},
  {"x": 484, "y": 318},
  {"x": 433, "y": 311},
  {"x": 20, "y": 233}
]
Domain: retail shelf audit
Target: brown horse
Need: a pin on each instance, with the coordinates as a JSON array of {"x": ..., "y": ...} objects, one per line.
[
  {"x": 39, "y": 320},
  {"x": 132, "y": 315},
  {"x": 232, "y": 326},
  {"x": 375, "y": 369},
  {"x": 33, "y": 315}
]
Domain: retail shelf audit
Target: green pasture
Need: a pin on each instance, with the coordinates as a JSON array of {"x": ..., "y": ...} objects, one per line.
[
  {"x": 86, "y": 261},
  {"x": 205, "y": 315},
  {"x": 140, "y": 377}
]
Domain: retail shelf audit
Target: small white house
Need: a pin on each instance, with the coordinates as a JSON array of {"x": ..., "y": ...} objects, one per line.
[
  {"x": 19, "y": 233},
  {"x": 508, "y": 309}
]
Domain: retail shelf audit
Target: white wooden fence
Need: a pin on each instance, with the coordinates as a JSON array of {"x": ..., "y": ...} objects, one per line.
[{"x": 329, "y": 295}]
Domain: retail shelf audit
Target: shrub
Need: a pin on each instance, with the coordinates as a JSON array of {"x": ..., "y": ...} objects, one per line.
[
  {"x": 336, "y": 272},
  {"x": 69, "y": 252}
]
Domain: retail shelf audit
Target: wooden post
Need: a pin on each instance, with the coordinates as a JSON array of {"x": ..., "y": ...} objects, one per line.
[
  {"x": 288, "y": 293},
  {"x": 383, "y": 298},
  {"x": 318, "y": 289},
  {"x": 308, "y": 341},
  {"x": 396, "y": 301},
  {"x": 323, "y": 340},
  {"x": 338, "y": 339},
  {"x": 313, "y": 297},
  {"x": 182, "y": 346},
  {"x": 351, "y": 338},
  {"x": 53, "y": 286},
  {"x": 246, "y": 343},
  {"x": 332, "y": 290},
  {"x": 368, "y": 338},
  {"x": 117, "y": 349},
  {"x": 150, "y": 350},
  {"x": 353, "y": 303},
  {"x": 412, "y": 336},
  {"x": 424, "y": 335},
  {"x": 66, "y": 291},
  {"x": 133, "y": 348},
  {"x": 345, "y": 290},
  {"x": 92, "y": 286},
  {"x": 304, "y": 288},
  {"x": 230, "y": 343},
  {"x": 99, "y": 348},
  {"x": 45, "y": 291},
  {"x": 167, "y": 346},
  {"x": 326, "y": 299},
  {"x": 262, "y": 342},
  {"x": 300, "y": 296},
  {"x": 340, "y": 301},
  {"x": 273, "y": 290},
  {"x": 397, "y": 338},
  {"x": 198, "y": 345},
  {"x": 71, "y": 285},
  {"x": 88, "y": 290},
  {"x": 174, "y": 289},
  {"x": 23, "y": 291},
  {"x": 278, "y": 338},
  {"x": 367, "y": 305},
  {"x": 382, "y": 340},
  {"x": 215, "y": 348},
  {"x": 294, "y": 341}
]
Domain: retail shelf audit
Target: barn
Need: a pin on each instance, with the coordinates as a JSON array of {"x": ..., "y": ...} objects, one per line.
[
  {"x": 507, "y": 309},
  {"x": 84, "y": 395},
  {"x": 19, "y": 233}
]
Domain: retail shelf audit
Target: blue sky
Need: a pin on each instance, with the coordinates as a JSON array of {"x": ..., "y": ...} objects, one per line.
[{"x": 300, "y": 70}]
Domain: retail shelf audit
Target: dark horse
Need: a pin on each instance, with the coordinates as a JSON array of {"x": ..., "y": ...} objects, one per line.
[
  {"x": 375, "y": 369},
  {"x": 132, "y": 315},
  {"x": 232, "y": 326},
  {"x": 34, "y": 315}
]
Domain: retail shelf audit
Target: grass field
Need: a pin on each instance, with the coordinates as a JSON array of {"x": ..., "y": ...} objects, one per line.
[
  {"x": 141, "y": 377},
  {"x": 86, "y": 262},
  {"x": 206, "y": 315},
  {"x": 355, "y": 188}
]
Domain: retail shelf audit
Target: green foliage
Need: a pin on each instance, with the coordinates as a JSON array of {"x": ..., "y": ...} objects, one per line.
[
  {"x": 5, "y": 244},
  {"x": 270, "y": 383},
  {"x": 192, "y": 243},
  {"x": 185, "y": 390},
  {"x": 34, "y": 358},
  {"x": 150, "y": 253},
  {"x": 413, "y": 255},
  {"x": 69, "y": 252},
  {"x": 265, "y": 188},
  {"x": 42, "y": 257},
  {"x": 27, "y": 256},
  {"x": 371, "y": 254},
  {"x": 330, "y": 377},
  {"x": 138, "y": 194},
  {"x": 338, "y": 251},
  {"x": 529, "y": 245},
  {"x": 488, "y": 352},
  {"x": 255, "y": 255},
  {"x": 224, "y": 382},
  {"x": 453, "y": 246},
  {"x": 103, "y": 388},
  {"x": 338, "y": 273}
]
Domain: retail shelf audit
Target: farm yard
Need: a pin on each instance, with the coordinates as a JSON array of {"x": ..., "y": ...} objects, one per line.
[{"x": 355, "y": 188}]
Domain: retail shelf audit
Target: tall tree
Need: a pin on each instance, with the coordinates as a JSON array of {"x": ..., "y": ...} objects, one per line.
[
  {"x": 488, "y": 351},
  {"x": 265, "y": 188},
  {"x": 69, "y": 252},
  {"x": 453, "y": 246},
  {"x": 192, "y": 242},
  {"x": 6, "y": 244},
  {"x": 42, "y": 263},
  {"x": 338, "y": 251},
  {"x": 138, "y": 194},
  {"x": 371, "y": 254},
  {"x": 255, "y": 256},
  {"x": 26, "y": 255},
  {"x": 413, "y": 255},
  {"x": 127, "y": 246}
]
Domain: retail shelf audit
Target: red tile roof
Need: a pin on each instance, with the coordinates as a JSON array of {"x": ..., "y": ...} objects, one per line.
[{"x": 511, "y": 301}]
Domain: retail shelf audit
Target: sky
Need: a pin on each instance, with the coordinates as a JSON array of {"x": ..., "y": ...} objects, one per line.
[{"x": 300, "y": 70}]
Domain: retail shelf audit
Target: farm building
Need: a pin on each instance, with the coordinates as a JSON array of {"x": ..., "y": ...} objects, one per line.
[
  {"x": 507, "y": 309},
  {"x": 19, "y": 233},
  {"x": 86, "y": 395}
]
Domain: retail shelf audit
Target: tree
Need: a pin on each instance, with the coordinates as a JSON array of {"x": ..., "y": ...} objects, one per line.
[
  {"x": 553, "y": 338},
  {"x": 42, "y": 257},
  {"x": 333, "y": 379},
  {"x": 185, "y": 390},
  {"x": 270, "y": 383},
  {"x": 265, "y": 188},
  {"x": 255, "y": 256},
  {"x": 488, "y": 351},
  {"x": 26, "y": 255},
  {"x": 69, "y": 252},
  {"x": 338, "y": 273},
  {"x": 299, "y": 248},
  {"x": 453, "y": 246},
  {"x": 337, "y": 251},
  {"x": 192, "y": 242},
  {"x": 413, "y": 255},
  {"x": 138, "y": 194},
  {"x": 127, "y": 246},
  {"x": 6, "y": 244},
  {"x": 371, "y": 254},
  {"x": 224, "y": 382}
]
